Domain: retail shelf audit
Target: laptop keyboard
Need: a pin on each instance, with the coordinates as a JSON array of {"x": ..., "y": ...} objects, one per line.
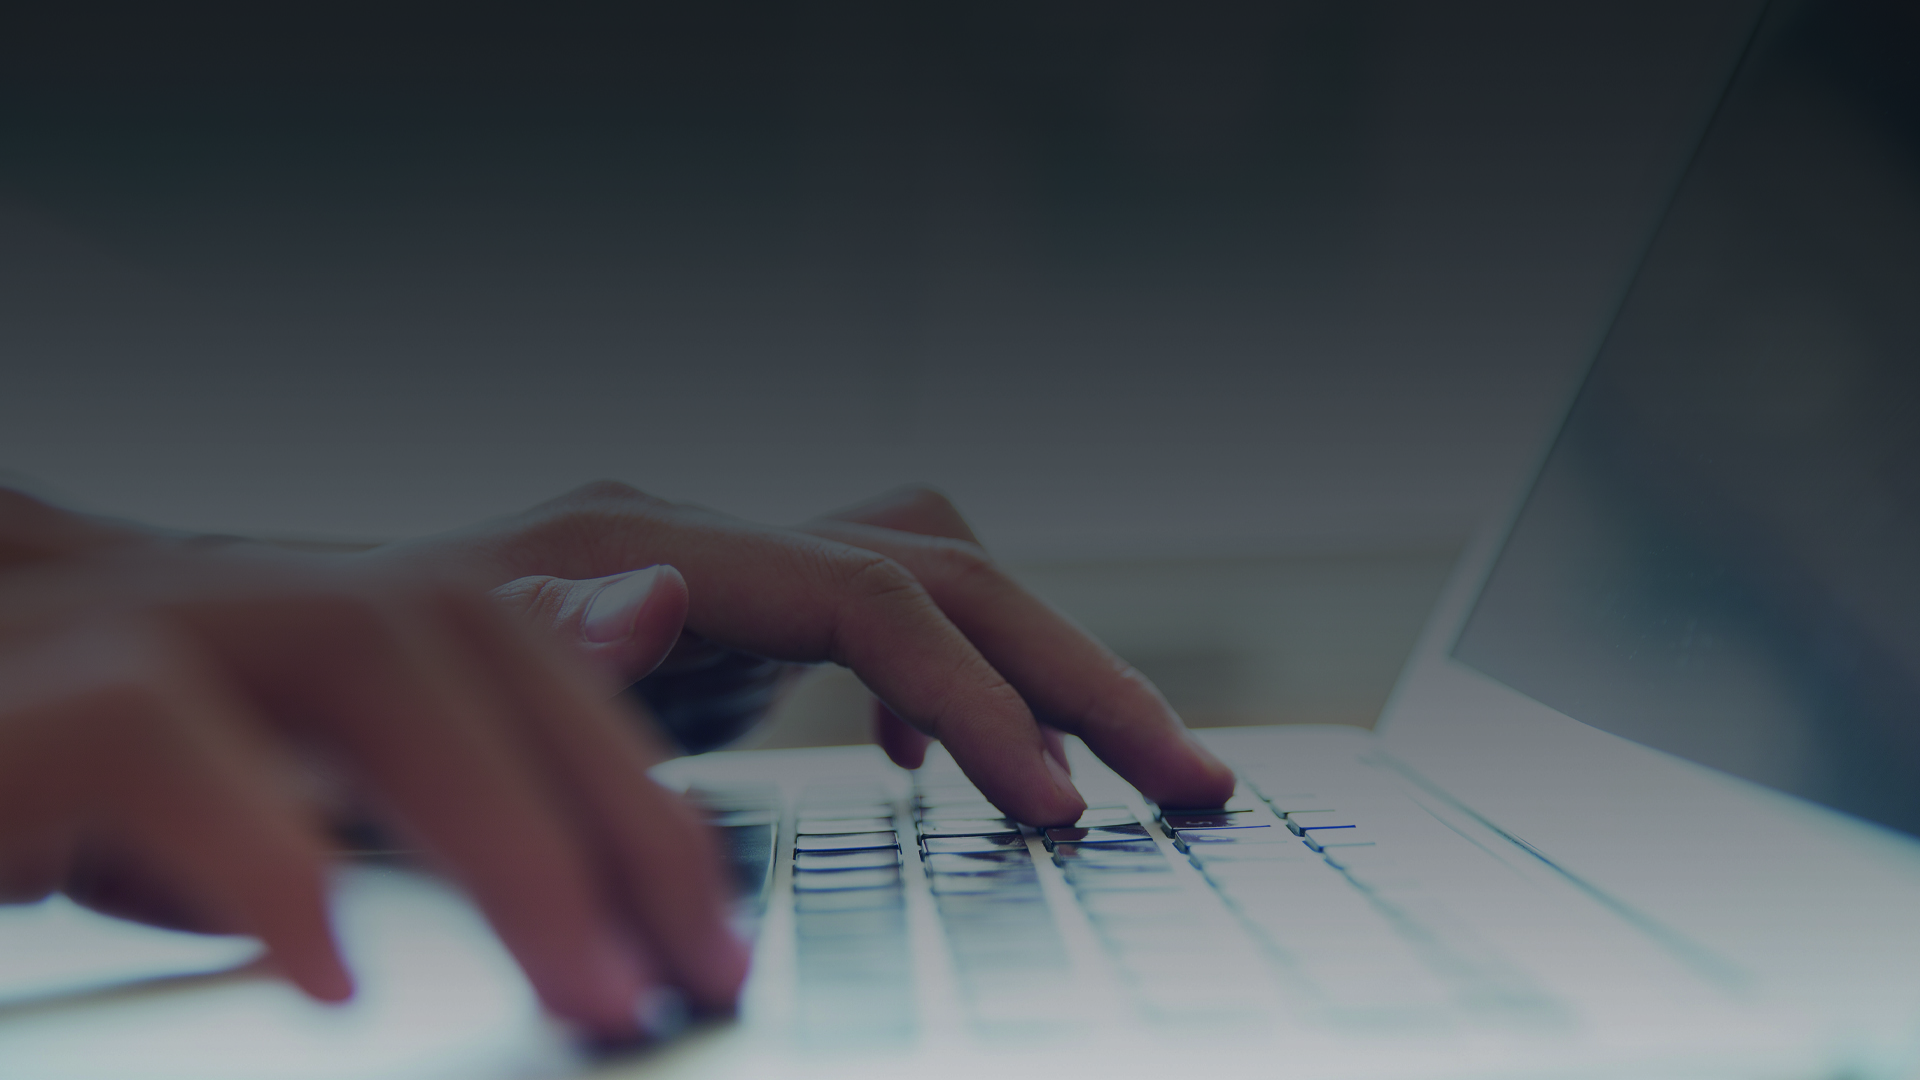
[{"x": 1282, "y": 900}]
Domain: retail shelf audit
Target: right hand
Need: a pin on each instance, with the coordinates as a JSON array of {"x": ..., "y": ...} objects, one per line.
[{"x": 895, "y": 589}]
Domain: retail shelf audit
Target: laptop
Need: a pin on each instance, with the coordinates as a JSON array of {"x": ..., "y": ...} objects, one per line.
[{"x": 1643, "y": 802}]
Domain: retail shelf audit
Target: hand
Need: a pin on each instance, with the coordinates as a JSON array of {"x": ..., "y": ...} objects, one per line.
[
  {"x": 156, "y": 700},
  {"x": 898, "y": 591}
]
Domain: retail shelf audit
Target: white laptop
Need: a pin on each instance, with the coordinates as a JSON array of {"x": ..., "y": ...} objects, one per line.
[{"x": 1641, "y": 804}]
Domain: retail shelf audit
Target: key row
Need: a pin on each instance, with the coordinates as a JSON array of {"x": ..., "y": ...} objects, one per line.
[{"x": 1008, "y": 959}]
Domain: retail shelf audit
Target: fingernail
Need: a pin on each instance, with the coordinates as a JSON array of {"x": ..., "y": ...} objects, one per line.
[
  {"x": 660, "y": 1012},
  {"x": 611, "y": 612}
]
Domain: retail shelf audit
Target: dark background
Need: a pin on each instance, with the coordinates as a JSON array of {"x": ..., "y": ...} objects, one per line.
[
  {"x": 1175, "y": 299},
  {"x": 1125, "y": 277}
]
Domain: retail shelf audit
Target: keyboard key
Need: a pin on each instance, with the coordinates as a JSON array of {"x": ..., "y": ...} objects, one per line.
[
  {"x": 1006, "y": 908},
  {"x": 964, "y": 826},
  {"x": 1299, "y": 803},
  {"x": 958, "y": 812},
  {"x": 1367, "y": 858},
  {"x": 1038, "y": 947},
  {"x": 1127, "y": 866},
  {"x": 1063, "y": 854},
  {"x": 1110, "y": 879},
  {"x": 937, "y": 845},
  {"x": 840, "y": 973},
  {"x": 969, "y": 804},
  {"x": 825, "y": 880},
  {"x": 1333, "y": 836},
  {"x": 1390, "y": 879},
  {"x": 847, "y": 955},
  {"x": 872, "y": 924},
  {"x": 1109, "y": 834},
  {"x": 927, "y": 784},
  {"x": 1236, "y": 819},
  {"x": 1290, "y": 849},
  {"x": 867, "y": 859},
  {"x": 846, "y": 841},
  {"x": 1310, "y": 819},
  {"x": 988, "y": 876},
  {"x": 812, "y": 826},
  {"x": 1099, "y": 816},
  {"x": 738, "y": 818},
  {"x": 1000, "y": 920},
  {"x": 1253, "y": 834},
  {"x": 979, "y": 884},
  {"x": 1028, "y": 962},
  {"x": 735, "y": 797},
  {"x": 1006, "y": 860},
  {"x": 841, "y": 810},
  {"x": 1159, "y": 904},
  {"x": 1257, "y": 879},
  {"x": 1242, "y": 800},
  {"x": 848, "y": 899}
]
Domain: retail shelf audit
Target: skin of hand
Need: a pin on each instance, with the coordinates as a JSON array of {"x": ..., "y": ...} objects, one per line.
[
  {"x": 897, "y": 589},
  {"x": 158, "y": 695},
  {"x": 132, "y": 645}
]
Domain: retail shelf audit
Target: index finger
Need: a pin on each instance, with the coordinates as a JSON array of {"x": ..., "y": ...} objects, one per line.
[{"x": 1072, "y": 681}]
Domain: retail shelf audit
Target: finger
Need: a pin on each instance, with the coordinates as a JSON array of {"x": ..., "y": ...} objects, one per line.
[
  {"x": 422, "y": 721},
  {"x": 905, "y": 747},
  {"x": 889, "y": 631},
  {"x": 130, "y": 731},
  {"x": 1072, "y": 681},
  {"x": 658, "y": 853},
  {"x": 1057, "y": 746},
  {"x": 927, "y": 512},
  {"x": 623, "y": 625}
]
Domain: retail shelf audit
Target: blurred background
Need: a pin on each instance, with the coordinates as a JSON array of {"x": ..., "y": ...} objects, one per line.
[{"x": 1225, "y": 322}]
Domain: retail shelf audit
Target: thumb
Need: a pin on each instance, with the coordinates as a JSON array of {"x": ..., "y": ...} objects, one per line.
[{"x": 623, "y": 624}]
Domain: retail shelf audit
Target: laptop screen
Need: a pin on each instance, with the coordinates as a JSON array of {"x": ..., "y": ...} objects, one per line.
[{"x": 1721, "y": 555}]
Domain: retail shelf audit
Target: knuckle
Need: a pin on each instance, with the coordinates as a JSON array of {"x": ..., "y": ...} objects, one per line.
[
  {"x": 536, "y": 598},
  {"x": 870, "y": 577},
  {"x": 963, "y": 563},
  {"x": 534, "y": 602}
]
